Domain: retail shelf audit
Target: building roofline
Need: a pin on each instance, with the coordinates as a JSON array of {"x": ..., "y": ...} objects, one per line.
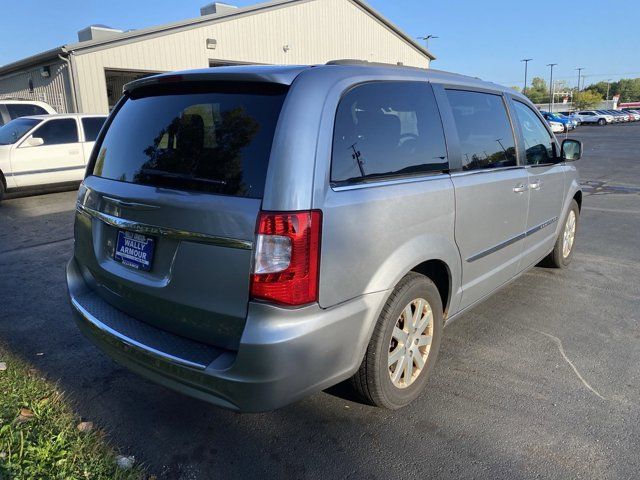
[
  {"x": 134, "y": 35},
  {"x": 33, "y": 60}
]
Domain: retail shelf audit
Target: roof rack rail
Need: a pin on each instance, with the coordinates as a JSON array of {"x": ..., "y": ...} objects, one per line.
[{"x": 352, "y": 61}]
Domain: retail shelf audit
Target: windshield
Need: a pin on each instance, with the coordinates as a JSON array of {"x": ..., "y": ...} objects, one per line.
[
  {"x": 15, "y": 129},
  {"x": 215, "y": 139}
]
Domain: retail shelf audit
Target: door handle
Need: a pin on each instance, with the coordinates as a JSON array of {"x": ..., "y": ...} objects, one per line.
[
  {"x": 520, "y": 188},
  {"x": 535, "y": 185}
]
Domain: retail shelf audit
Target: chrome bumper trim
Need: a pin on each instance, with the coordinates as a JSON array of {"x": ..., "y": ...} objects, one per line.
[{"x": 177, "y": 234}]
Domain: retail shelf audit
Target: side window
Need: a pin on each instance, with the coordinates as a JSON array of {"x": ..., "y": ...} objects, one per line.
[
  {"x": 537, "y": 141},
  {"x": 17, "y": 110},
  {"x": 56, "y": 132},
  {"x": 486, "y": 138},
  {"x": 91, "y": 127},
  {"x": 385, "y": 129}
]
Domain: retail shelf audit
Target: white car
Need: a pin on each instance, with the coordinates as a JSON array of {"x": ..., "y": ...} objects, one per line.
[
  {"x": 591, "y": 116},
  {"x": 11, "y": 109},
  {"x": 556, "y": 127},
  {"x": 46, "y": 150}
]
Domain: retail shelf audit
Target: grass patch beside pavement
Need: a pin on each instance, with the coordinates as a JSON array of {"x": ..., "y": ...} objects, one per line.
[{"x": 40, "y": 435}]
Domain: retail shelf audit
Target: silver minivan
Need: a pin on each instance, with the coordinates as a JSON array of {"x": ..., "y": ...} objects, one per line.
[{"x": 251, "y": 235}]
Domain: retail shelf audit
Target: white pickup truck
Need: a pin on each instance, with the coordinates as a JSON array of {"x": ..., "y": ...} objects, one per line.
[{"x": 46, "y": 150}]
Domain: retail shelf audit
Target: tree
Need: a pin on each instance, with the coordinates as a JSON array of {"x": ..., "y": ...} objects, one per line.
[
  {"x": 586, "y": 99},
  {"x": 629, "y": 89},
  {"x": 538, "y": 92}
]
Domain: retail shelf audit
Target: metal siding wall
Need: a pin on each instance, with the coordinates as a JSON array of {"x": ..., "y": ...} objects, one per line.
[
  {"x": 53, "y": 90},
  {"x": 317, "y": 31}
]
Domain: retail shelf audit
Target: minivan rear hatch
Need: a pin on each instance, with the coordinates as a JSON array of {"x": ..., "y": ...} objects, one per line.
[{"x": 167, "y": 214}]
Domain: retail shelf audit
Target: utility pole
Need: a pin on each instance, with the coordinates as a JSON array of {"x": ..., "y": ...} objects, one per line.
[
  {"x": 608, "y": 85},
  {"x": 526, "y": 63},
  {"x": 579, "y": 69},
  {"x": 551, "y": 86},
  {"x": 426, "y": 39}
]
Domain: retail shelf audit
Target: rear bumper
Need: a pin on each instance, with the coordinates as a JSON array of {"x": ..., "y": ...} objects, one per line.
[{"x": 284, "y": 354}]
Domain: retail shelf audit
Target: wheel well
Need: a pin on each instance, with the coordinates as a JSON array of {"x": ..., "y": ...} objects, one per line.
[
  {"x": 3, "y": 180},
  {"x": 578, "y": 198},
  {"x": 439, "y": 273}
]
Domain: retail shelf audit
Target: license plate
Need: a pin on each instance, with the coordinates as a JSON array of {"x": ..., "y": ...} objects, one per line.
[{"x": 134, "y": 250}]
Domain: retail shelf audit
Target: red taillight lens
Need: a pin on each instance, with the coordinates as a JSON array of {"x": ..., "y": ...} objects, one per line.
[{"x": 287, "y": 257}]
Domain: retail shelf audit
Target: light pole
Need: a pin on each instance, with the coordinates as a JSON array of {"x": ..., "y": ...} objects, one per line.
[
  {"x": 526, "y": 64},
  {"x": 579, "y": 69},
  {"x": 426, "y": 39},
  {"x": 551, "y": 86},
  {"x": 608, "y": 85}
]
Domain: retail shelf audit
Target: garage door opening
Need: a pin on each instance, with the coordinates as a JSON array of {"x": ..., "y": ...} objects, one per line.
[{"x": 116, "y": 79}]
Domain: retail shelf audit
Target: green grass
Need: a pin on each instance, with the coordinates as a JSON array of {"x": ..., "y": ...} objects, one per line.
[{"x": 48, "y": 444}]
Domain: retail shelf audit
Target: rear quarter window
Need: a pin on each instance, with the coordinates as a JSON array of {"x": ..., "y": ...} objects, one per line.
[
  {"x": 385, "y": 130},
  {"x": 213, "y": 138}
]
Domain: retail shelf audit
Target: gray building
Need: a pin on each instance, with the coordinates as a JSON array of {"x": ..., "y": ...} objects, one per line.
[{"x": 87, "y": 76}]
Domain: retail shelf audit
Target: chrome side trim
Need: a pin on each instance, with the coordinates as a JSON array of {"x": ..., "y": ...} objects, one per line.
[
  {"x": 46, "y": 170},
  {"x": 106, "y": 331},
  {"x": 511, "y": 240},
  {"x": 182, "y": 235},
  {"x": 390, "y": 181}
]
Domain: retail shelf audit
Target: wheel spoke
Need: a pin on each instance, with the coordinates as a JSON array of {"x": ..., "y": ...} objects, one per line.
[
  {"x": 396, "y": 355},
  {"x": 424, "y": 340},
  {"x": 418, "y": 359},
  {"x": 408, "y": 316},
  {"x": 424, "y": 321},
  {"x": 418, "y": 313},
  {"x": 408, "y": 372},
  {"x": 397, "y": 373},
  {"x": 400, "y": 335}
]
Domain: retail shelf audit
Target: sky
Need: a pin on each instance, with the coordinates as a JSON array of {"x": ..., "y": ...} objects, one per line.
[{"x": 483, "y": 38}]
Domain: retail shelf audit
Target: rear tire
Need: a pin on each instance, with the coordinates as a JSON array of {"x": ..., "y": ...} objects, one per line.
[
  {"x": 602, "y": 121},
  {"x": 562, "y": 253},
  {"x": 407, "y": 336}
]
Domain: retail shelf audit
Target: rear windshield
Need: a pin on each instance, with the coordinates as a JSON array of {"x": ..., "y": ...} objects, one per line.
[
  {"x": 209, "y": 139},
  {"x": 15, "y": 129}
]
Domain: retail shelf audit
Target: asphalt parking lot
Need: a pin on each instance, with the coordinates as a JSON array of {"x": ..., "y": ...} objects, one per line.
[{"x": 540, "y": 381}]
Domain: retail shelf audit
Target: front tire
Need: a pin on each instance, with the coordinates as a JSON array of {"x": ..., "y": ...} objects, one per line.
[
  {"x": 602, "y": 122},
  {"x": 562, "y": 253},
  {"x": 404, "y": 345}
]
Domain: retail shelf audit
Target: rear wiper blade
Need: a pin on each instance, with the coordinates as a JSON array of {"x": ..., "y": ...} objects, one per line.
[{"x": 181, "y": 176}]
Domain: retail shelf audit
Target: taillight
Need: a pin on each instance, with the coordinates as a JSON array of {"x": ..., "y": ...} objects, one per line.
[{"x": 287, "y": 257}]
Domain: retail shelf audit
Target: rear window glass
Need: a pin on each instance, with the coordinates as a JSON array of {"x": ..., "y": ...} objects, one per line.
[
  {"x": 210, "y": 139},
  {"x": 14, "y": 130},
  {"x": 17, "y": 110}
]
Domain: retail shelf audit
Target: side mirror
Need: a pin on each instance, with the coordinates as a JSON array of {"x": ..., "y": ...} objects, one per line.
[
  {"x": 33, "y": 142},
  {"x": 571, "y": 150}
]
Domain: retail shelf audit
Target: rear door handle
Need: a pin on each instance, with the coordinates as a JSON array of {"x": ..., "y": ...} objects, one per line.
[
  {"x": 520, "y": 188},
  {"x": 535, "y": 185}
]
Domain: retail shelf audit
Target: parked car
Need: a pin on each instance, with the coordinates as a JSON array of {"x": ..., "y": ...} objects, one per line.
[
  {"x": 16, "y": 108},
  {"x": 634, "y": 113},
  {"x": 557, "y": 127},
  {"x": 625, "y": 117},
  {"x": 617, "y": 117},
  {"x": 251, "y": 235},
  {"x": 573, "y": 117},
  {"x": 592, "y": 116},
  {"x": 564, "y": 122},
  {"x": 46, "y": 150}
]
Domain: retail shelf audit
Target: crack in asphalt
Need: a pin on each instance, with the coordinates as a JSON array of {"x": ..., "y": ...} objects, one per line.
[
  {"x": 37, "y": 245},
  {"x": 566, "y": 359}
]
